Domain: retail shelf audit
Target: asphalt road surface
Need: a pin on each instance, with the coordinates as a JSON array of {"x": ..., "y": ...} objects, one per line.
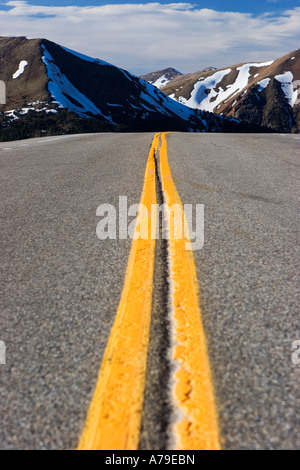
[
  {"x": 61, "y": 286},
  {"x": 248, "y": 272}
]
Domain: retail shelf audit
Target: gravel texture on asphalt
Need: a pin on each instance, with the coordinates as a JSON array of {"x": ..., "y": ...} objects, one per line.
[
  {"x": 60, "y": 284},
  {"x": 248, "y": 272}
]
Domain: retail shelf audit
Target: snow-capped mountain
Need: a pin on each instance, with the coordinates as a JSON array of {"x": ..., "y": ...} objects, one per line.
[
  {"x": 161, "y": 78},
  {"x": 261, "y": 93},
  {"x": 46, "y": 78}
]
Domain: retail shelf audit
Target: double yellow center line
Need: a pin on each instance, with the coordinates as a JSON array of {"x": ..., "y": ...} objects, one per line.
[{"x": 114, "y": 417}]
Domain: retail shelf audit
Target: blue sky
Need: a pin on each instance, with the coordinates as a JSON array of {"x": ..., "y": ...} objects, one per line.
[
  {"x": 244, "y": 6},
  {"x": 145, "y": 36}
]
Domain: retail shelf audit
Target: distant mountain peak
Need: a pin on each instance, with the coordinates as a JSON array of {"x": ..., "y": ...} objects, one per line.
[{"x": 161, "y": 78}]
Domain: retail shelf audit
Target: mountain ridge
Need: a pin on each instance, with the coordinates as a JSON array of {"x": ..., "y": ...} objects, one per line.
[
  {"x": 260, "y": 93},
  {"x": 46, "y": 80}
]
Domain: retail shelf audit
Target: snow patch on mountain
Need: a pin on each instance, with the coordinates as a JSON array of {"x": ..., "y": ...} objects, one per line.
[
  {"x": 263, "y": 84},
  {"x": 65, "y": 94},
  {"x": 21, "y": 69},
  {"x": 286, "y": 80},
  {"x": 199, "y": 97},
  {"x": 244, "y": 75},
  {"x": 208, "y": 94},
  {"x": 161, "y": 81}
]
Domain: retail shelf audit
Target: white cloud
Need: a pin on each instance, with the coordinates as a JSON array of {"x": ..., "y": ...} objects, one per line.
[{"x": 147, "y": 37}]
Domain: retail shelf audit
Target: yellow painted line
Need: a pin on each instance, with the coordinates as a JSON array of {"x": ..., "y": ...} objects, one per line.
[
  {"x": 114, "y": 417},
  {"x": 196, "y": 426}
]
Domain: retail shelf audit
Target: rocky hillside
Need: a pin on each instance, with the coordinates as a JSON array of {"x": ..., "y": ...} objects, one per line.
[{"x": 256, "y": 93}]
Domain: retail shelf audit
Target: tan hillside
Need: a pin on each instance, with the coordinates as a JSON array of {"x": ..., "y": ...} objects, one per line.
[
  {"x": 250, "y": 92},
  {"x": 31, "y": 85}
]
